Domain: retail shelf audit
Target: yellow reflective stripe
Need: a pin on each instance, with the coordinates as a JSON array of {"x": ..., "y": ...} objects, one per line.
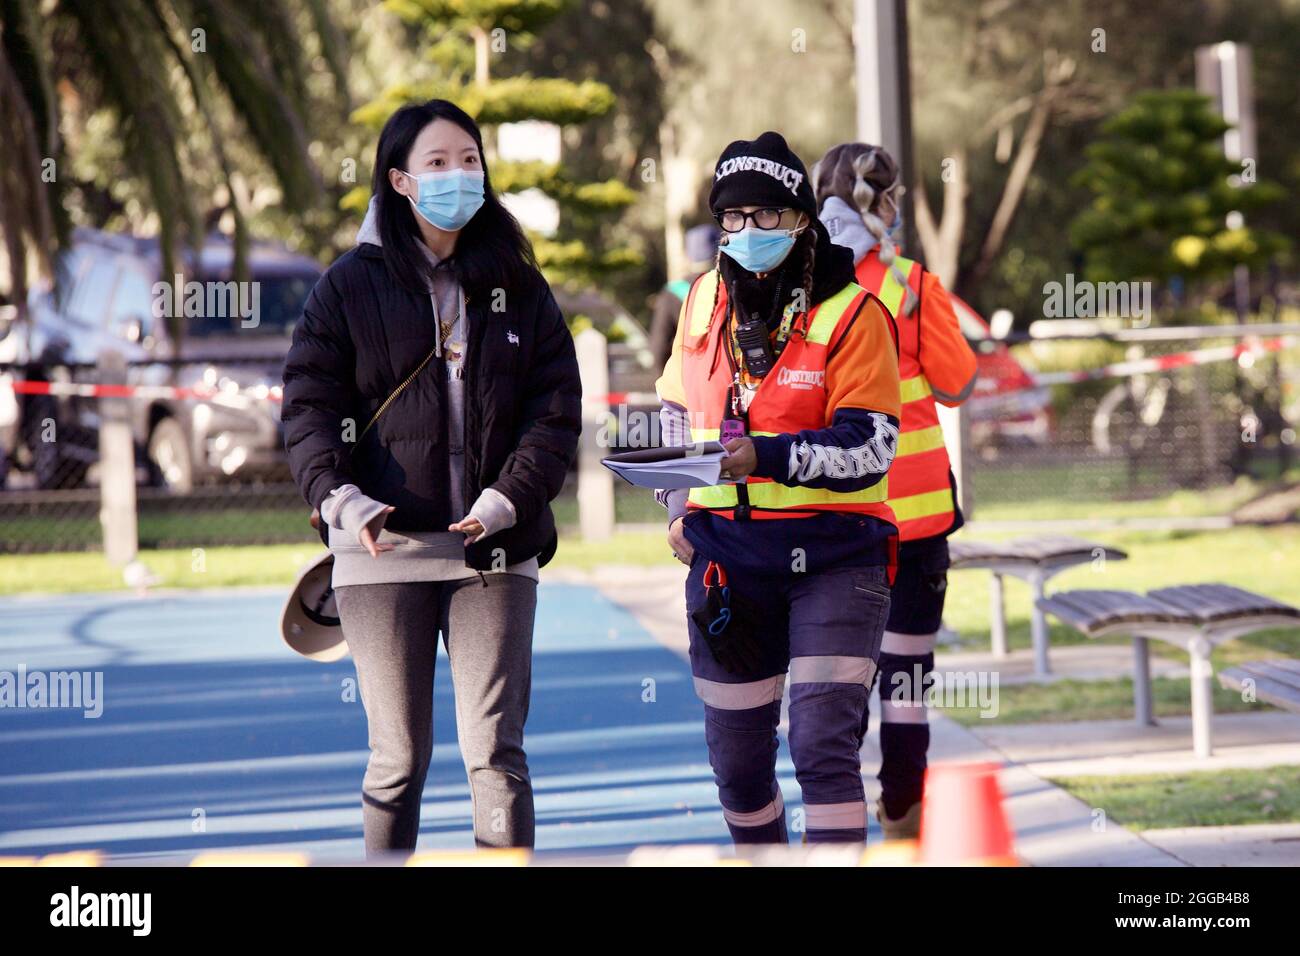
[
  {"x": 702, "y": 310},
  {"x": 891, "y": 290},
  {"x": 770, "y": 494},
  {"x": 923, "y": 439},
  {"x": 827, "y": 315},
  {"x": 922, "y": 505},
  {"x": 891, "y": 293},
  {"x": 914, "y": 388}
]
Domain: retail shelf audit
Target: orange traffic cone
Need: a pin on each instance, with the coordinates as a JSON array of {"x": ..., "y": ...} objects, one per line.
[{"x": 962, "y": 820}]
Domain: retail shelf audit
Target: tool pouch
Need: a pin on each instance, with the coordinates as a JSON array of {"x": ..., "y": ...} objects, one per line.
[{"x": 731, "y": 625}]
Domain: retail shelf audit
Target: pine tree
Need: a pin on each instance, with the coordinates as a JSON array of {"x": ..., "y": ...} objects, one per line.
[
  {"x": 1162, "y": 193},
  {"x": 462, "y": 37}
]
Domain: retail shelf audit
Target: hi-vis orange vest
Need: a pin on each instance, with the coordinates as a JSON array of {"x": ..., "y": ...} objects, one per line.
[
  {"x": 920, "y": 491},
  {"x": 773, "y": 410}
]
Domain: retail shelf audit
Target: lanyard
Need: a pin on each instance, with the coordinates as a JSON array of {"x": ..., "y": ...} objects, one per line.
[{"x": 734, "y": 359}]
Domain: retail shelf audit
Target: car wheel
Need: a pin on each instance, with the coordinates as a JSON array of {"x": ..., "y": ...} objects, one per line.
[{"x": 169, "y": 456}]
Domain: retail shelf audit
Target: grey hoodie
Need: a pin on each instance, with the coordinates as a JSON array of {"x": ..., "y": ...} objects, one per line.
[
  {"x": 417, "y": 556},
  {"x": 845, "y": 225}
]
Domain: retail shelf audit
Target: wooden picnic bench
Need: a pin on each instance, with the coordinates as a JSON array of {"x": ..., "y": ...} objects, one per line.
[
  {"x": 1034, "y": 560},
  {"x": 1275, "y": 682},
  {"x": 1194, "y": 617}
]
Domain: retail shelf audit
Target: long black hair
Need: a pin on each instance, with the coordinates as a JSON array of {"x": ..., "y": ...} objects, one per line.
[{"x": 492, "y": 251}]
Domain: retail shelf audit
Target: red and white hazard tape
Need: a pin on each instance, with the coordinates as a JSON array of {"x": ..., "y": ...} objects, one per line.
[
  {"x": 1161, "y": 363},
  {"x": 274, "y": 393},
  {"x": 270, "y": 393}
]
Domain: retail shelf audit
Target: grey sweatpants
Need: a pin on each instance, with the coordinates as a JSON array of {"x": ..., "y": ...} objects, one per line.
[{"x": 392, "y": 631}]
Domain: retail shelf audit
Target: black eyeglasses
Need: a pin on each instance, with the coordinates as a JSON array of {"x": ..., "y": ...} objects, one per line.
[{"x": 733, "y": 220}]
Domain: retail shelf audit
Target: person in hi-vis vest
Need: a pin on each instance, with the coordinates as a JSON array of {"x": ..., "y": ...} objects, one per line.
[
  {"x": 858, "y": 196},
  {"x": 794, "y": 367}
]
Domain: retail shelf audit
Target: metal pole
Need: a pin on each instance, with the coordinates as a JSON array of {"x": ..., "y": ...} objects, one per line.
[
  {"x": 955, "y": 423},
  {"x": 1143, "y": 710},
  {"x": 997, "y": 616},
  {"x": 1202, "y": 695},
  {"x": 117, "y": 512},
  {"x": 884, "y": 89},
  {"x": 595, "y": 481},
  {"x": 1038, "y": 625},
  {"x": 1224, "y": 72}
]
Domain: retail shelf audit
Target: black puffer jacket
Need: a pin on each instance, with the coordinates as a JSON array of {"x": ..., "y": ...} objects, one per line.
[{"x": 361, "y": 334}]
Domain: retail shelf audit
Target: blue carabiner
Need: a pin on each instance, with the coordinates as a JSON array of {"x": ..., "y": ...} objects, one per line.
[{"x": 720, "y": 622}]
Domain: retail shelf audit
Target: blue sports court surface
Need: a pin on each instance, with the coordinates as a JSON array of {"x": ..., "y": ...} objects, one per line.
[{"x": 214, "y": 736}]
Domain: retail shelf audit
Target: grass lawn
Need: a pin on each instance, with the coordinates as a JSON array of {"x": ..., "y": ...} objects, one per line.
[
  {"x": 275, "y": 564},
  {"x": 1071, "y": 700},
  {"x": 225, "y": 516},
  {"x": 1260, "y": 559},
  {"x": 1084, "y": 491},
  {"x": 78, "y": 527},
  {"x": 1207, "y": 798}
]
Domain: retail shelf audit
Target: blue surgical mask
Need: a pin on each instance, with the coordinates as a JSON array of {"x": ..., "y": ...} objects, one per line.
[
  {"x": 759, "y": 250},
  {"x": 448, "y": 199}
]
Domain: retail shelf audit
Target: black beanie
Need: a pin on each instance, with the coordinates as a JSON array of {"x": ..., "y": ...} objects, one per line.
[{"x": 761, "y": 172}]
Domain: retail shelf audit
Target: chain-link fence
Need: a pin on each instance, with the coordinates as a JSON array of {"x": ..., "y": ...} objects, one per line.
[
  {"x": 1178, "y": 431},
  {"x": 1155, "y": 435},
  {"x": 209, "y": 464}
]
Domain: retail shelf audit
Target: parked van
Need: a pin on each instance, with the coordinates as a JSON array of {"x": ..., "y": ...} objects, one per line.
[{"x": 234, "y": 339}]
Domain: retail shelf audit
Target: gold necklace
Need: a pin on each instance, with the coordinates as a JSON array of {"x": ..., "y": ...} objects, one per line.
[{"x": 453, "y": 350}]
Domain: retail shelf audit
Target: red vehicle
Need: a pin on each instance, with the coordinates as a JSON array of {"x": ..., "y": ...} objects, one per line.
[{"x": 1006, "y": 407}]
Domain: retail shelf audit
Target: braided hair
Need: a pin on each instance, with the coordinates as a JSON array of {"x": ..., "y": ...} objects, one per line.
[
  {"x": 713, "y": 307},
  {"x": 868, "y": 179},
  {"x": 810, "y": 259}
]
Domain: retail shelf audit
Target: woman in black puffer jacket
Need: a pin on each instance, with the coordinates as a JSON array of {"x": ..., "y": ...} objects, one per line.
[{"x": 438, "y": 511}]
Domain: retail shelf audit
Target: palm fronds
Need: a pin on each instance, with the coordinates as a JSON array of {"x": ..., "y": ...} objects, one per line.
[
  {"x": 211, "y": 91},
  {"x": 25, "y": 215}
]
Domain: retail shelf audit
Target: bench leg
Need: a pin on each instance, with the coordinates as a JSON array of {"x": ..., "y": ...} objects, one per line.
[
  {"x": 1038, "y": 626},
  {"x": 1202, "y": 695},
  {"x": 1143, "y": 712},
  {"x": 997, "y": 617}
]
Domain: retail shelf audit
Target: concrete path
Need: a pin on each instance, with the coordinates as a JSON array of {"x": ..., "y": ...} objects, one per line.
[
  {"x": 1266, "y": 739},
  {"x": 1265, "y": 844},
  {"x": 1069, "y": 662},
  {"x": 1052, "y": 828}
]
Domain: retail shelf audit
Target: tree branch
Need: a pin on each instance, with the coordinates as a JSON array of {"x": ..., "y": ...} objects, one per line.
[{"x": 1013, "y": 190}]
